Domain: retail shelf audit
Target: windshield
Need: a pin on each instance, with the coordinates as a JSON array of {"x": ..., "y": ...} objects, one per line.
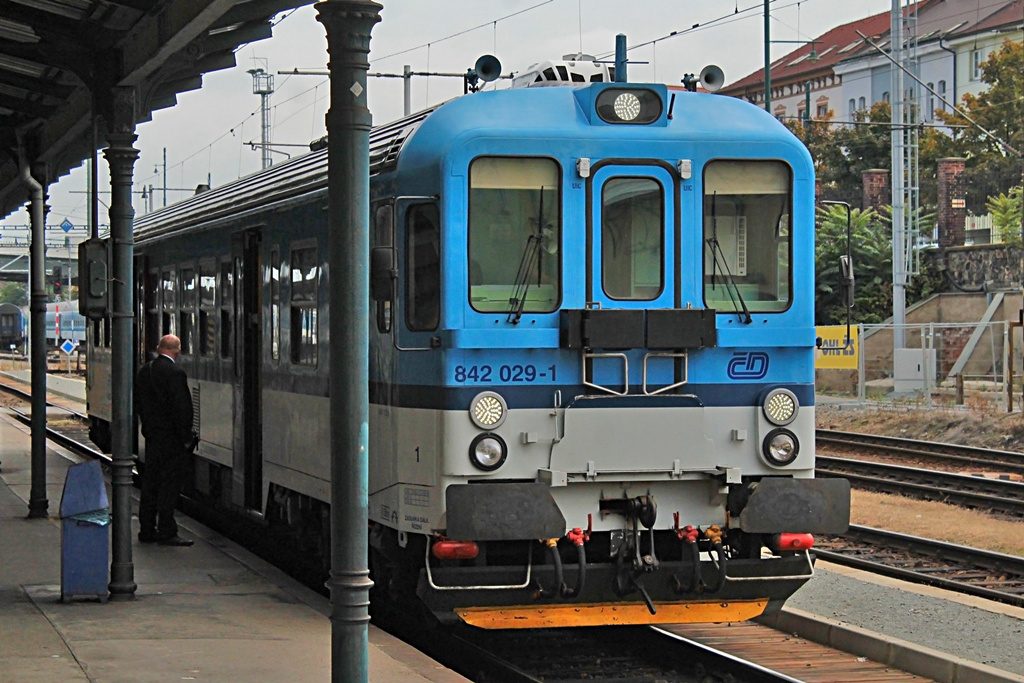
[
  {"x": 747, "y": 236},
  {"x": 514, "y": 235}
]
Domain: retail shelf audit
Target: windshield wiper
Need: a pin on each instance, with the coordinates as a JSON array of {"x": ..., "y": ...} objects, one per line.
[
  {"x": 529, "y": 261},
  {"x": 716, "y": 252}
]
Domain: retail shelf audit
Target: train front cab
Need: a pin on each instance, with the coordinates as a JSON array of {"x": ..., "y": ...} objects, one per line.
[{"x": 609, "y": 354}]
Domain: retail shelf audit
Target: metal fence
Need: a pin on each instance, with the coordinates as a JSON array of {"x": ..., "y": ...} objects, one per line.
[{"x": 945, "y": 363}]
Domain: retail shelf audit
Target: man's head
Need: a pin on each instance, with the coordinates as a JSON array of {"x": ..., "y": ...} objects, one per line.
[{"x": 169, "y": 346}]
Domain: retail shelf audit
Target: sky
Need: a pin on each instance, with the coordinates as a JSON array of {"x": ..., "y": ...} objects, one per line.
[{"x": 206, "y": 134}]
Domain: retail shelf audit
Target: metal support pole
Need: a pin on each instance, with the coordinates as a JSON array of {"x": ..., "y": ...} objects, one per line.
[
  {"x": 348, "y": 24},
  {"x": 121, "y": 157},
  {"x": 37, "y": 502},
  {"x": 899, "y": 270},
  {"x": 621, "y": 58},
  {"x": 165, "y": 180},
  {"x": 767, "y": 59},
  {"x": 807, "y": 103},
  {"x": 407, "y": 89},
  {"x": 862, "y": 391}
]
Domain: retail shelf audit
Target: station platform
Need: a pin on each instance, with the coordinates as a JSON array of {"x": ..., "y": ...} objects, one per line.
[{"x": 211, "y": 612}]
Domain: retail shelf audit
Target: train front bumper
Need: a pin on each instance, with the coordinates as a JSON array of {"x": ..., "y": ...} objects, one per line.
[{"x": 751, "y": 588}]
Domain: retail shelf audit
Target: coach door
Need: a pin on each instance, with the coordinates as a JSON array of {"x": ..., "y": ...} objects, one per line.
[
  {"x": 248, "y": 362},
  {"x": 630, "y": 260}
]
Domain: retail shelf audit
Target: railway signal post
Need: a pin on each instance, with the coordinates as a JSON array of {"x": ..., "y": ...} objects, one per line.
[{"x": 348, "y": 24}]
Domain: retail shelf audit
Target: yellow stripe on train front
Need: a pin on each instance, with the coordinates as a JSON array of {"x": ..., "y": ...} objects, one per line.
[{"x": 609, "y": 613}]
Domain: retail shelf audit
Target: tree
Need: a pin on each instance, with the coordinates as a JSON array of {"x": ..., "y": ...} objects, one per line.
[
  {"x": 871, "y": 247},
  {"x": 1006, "y": 215},
  {"x": 992, "y": 168},
  {"x": 13, "y": 293}
]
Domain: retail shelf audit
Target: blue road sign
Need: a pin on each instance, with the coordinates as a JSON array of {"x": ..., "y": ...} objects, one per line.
[
  {"x": 66, "y": 225},
  {"x": 68, "y": 346}
]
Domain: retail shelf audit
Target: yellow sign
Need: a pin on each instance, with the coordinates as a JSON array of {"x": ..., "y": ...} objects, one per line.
[{"x": 835, "y": 353}]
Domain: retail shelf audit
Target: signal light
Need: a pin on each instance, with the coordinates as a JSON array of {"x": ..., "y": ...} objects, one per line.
[
  {"x": 792, "y": 542},
  {"x": 455, "y": 550}
]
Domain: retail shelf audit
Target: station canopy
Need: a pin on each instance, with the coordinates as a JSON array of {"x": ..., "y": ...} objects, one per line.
[{"x": 58, "y": 57}]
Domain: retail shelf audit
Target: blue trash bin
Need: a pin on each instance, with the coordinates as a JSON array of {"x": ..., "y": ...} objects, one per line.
[{"x": 85, "y": 534}]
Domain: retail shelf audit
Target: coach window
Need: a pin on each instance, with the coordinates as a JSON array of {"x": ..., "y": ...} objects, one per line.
[
  {"x": 305, "y": 272},
  {"x": 747, "y": 236},
  {"x": 275, "y": 305},
  {"x": 169, "y": 301},
  {"x": 227, "y": 293},
  {"x": 153, "y": 323},
  {"x": 207, "y": 332},
  {"x": 514, "y": 234},
  {"x": 423, "y": 268},
  {"x": 187, "y": 313},
  {"x": 382, "y": 236},
  {"x": 632, "y": 238}
]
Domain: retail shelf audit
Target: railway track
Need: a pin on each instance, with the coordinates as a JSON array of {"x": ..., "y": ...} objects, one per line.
[
  {"x": 950, "y": 456},
  {"x": 65, "y": 425},
  {"x": 708, "y": 653},
  {"x": 958, "y": 568},
  {"x": 974, "y": 492}
]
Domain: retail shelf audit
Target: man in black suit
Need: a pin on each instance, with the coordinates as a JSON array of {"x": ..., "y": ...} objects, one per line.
[{"x": 164, "y": 405}]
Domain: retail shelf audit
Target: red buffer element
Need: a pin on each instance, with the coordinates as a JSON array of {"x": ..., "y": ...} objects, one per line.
[
  {"x": 455, "y": 550},
  {"x": 792, "y": 542}
]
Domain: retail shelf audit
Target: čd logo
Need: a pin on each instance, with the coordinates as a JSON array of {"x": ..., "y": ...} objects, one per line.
[{"x": 748, "y": 365}]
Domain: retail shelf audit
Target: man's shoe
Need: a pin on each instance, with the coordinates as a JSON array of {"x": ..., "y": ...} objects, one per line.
[
  {"x": 146, "y": 538},
  {"x": 175, "y": 540}
]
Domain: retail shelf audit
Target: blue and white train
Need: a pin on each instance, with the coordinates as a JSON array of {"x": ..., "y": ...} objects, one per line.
[
  {"x": 63, "y": 322},
  {"x": 591, "y": 363}
]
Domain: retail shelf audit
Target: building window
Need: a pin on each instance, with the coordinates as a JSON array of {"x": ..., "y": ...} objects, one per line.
[
  {"x": 977, "y": 59},
  {"x": 304, "y": 333},
  {"x": 929, "y": 114},
  {"x": 822, "y": 111},
  {"x": 885, "y": 96},
  {"x": 853, "y": 107},
  {"x": 862, "y": 104},
  {"x": 942, "y": 94}
]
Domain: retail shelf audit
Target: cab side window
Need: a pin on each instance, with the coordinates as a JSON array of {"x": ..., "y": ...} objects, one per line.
[{"x": 423, "y": 268}]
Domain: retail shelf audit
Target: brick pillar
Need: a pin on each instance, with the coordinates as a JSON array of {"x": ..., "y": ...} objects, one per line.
[
  {"x": 952, "y": 201},
  {"x": 875, "y": 188}
]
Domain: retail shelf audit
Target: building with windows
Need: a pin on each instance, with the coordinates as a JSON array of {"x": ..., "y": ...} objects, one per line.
[
  {"x": 808, "y": 73},
  {"x": 948, "y": 40},
  {"x": 840, "y": 72}
]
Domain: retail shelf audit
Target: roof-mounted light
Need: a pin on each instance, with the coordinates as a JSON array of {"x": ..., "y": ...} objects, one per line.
[{"x": 629, "y": 105}]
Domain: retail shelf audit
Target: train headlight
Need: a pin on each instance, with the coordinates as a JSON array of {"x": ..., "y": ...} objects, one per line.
[
  {"x": 487, "y": 410},
  {"x": 488, "y": 452},
  {"x": 781, "y": 406},
  {"x": 628, "y": 105},
  {"x": 780, "y": 447}
]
